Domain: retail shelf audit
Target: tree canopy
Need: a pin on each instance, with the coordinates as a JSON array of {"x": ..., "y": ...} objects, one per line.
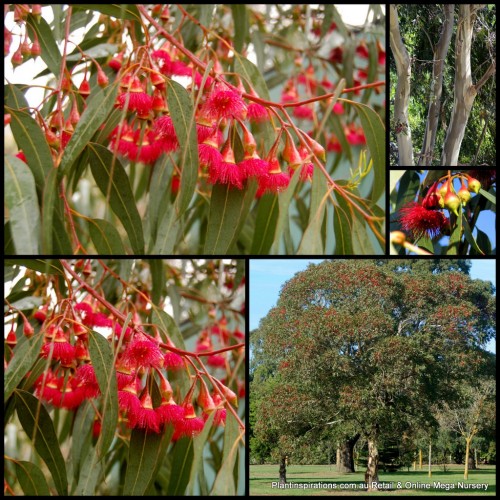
[{"x": 369, "y": 347}]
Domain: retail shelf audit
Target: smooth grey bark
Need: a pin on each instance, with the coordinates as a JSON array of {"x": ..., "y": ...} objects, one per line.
[
  {"x": 465, "y": 90},
  {"x": 440, "y": 52},
  {"x": 402, "y": 97}
]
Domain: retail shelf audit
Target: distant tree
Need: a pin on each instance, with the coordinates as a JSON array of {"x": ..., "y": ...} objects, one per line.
[{"x": 476, "y": 409}]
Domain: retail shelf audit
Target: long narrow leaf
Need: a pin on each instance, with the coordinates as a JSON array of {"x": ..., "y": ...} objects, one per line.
[
  {"x": 251, "y": 73},
  {"x": 224, "y": 482},
  {"x": 182, "y": 113},
  {"x": 284, "y": 210},
  {"x": 30, "y": 138},
  {"x": 374, "y": 130},
  {"x": 491, "y": 198},
  {"x": 102, "y": 360},
  {"x": 38, "y": 425},
  {"x": 199, "y": 443},
  {"x": 112, "y": 179},
  {"x": 100, "y": 104},
  {"x": 229, "y": 207},
  {"x": 22, "y": 202},
  {"x": 105, "y": 237},
  {"x": 146, "y": 453},
  {"x": 265, "y": 225},
  {"x": 25, "y": 355},
  {"x": 50, "y": 196},
  {"x": 182, "y": 460},
  {"x": 31, "y": 479},
  {"x": 49, "y": 50},
  {"x": 120, "y": 11}
]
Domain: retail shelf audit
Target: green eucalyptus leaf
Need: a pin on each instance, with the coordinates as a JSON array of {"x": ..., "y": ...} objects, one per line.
[
  {"x": 31, "y": 479},
  {"x": 38, "y": 425},
  {"x": 113, "y": 182},
  {"x": 22, "y": 202}
]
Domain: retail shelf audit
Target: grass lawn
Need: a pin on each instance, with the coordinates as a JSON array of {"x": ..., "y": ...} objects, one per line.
[{"x": 262, "y": 476}]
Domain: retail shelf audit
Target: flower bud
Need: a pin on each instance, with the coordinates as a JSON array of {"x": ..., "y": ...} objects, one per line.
[
  {"x": 36, "y": 50},
  {"x": 102, "y": 78},
  {"x": 36, "y": 10},
  {"x": 28, "y": 329},
  {"x": 452, "y": 202},
  {"x": 290, "y": 154},
  {"x": 11, "y": 339},
  {"x": 464, "y": 195},
  {"x": 17, "y": 57},
  {"x": 204, "y": 400},
  {"x": 84, "y": 89},
  {"x": 25, "y": 48},
  {"x": 474, "y": 185},
  {"x": 398, "y": 237}
]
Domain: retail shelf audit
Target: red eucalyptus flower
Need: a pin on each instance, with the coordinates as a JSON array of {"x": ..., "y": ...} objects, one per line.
[
  {"x": 223, "y": 103},
  {"x": 169, "y": 412},
  {"x": 145, "y": 416},
  {"x": 60, "y": 347},
  {"x": 143, "y": 352},
  {"x": 190, "y": 425},
  {"x": 420, "y": 221}
]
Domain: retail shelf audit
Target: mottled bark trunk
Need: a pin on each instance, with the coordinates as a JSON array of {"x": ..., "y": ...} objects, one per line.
[
  {"x": 465, "y": 91},
  {"x": 371, "y": 475},
  {"x": 283, "y": 470},
  {"x": 437, "y": 87},
  {"x": 402, "y": 98},
  {"x": 345, "y": 455}
]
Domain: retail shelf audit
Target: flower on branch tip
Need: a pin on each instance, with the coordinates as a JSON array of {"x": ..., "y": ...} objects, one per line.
[
  {"x": 140, "y": 102},
  {"x": 169, "y": 411},
  {"x": 257, "y": 113},
  {"x": 165, "y": 130},
  {"x": 190, "y": 425},
  {"x": 275, "y": 180},
  {"x": 224, "y": 103},
  {"x": 146, "y": 417},
  {"x": 143, "y": 352},
  {"x": 419, "y": 221},
  {"x": 61, "y": 349},
  {"x": 173, "y": 361}
]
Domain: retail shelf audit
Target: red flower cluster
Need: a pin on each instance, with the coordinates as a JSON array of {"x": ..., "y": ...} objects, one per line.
[{"x": 69, "y": 378}]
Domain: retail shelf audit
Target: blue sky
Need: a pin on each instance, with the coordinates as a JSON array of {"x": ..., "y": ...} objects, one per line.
[{"x": 268, "y": 275}]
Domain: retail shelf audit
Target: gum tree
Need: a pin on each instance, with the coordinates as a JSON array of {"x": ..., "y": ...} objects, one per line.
[{"x": 372, "y": 345}]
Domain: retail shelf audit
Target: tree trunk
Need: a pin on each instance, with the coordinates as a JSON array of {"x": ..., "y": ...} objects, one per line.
[
  {"x": 402, "y": 97},
  {"x": 283, "y": 470},
  {"x": 467, "y": 450},
  {"x": 420, "y": 459},
  {"x": 345, "y": 455},
  {"x": 465, "y": 91},
  {"x": 430, "y": 459},
  {"x": 472, "y": 461},
  {"x": 440, "y": 53},
  {"x": 371, "y": 475}
]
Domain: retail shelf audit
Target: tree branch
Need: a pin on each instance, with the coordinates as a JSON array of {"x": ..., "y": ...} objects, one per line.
[{"x": 487, "y": 75}]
